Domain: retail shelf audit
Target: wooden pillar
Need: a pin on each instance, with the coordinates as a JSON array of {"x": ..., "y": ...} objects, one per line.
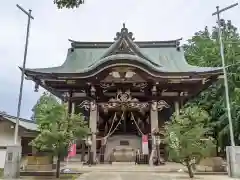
[
  {"x": 70, "y": 104},
  {"x": 154, "y": 116},
  {"x": 154, "y": 126},
  {"x": 93, "y": 126}
]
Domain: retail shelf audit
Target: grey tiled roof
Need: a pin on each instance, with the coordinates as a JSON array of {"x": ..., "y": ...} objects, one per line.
[{"x": 25, "y": 123}]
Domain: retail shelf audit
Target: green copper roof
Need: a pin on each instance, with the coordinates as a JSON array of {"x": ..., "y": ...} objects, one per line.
[
  {"x": 83, "y": 60},
  {"x": 163, "y": 56}
]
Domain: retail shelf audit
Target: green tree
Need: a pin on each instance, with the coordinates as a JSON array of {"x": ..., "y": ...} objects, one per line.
[
  {"x": 203, "y": 50},
  {"x": 68, "y": 3},
  {"x": 57, "y": 128},
  {"x": 186, "y": 137}
]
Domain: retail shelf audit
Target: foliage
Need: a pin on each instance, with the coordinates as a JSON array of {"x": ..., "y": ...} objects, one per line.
[
  {"x": 68, "y": 3},
  {"x": 47, "y": 99},
  {"x": 57, "y": 128},
  {"x": 1, "y": 172},
  {"x": 186, "y": 137},
  {"x": 203, "y": 50}
]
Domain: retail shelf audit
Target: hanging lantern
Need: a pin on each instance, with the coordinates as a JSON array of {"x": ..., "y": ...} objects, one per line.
[
  {"x": 154, "y": 90},
  {"x": 93, "y": 91},
  {"x": 36, "y": 87},
  {"x": 65, "y": 97},
  {"x": 132, "y": 118}
]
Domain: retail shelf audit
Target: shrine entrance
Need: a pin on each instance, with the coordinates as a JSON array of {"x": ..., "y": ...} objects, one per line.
[
  {"x": 124, "y": 136},
  {"x": 128, "y": 121}
]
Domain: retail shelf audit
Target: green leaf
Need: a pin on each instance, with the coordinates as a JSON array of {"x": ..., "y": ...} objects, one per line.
[
  {"x": 186, "y": 135},
  {"x": 57, "y": 128},
  {"x": 203, "y": 50}
]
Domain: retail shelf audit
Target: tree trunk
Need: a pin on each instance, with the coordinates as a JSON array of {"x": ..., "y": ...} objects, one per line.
[
  {"x": 58, "y": 166},
  {"x": 83, "y": 147},
  {"x": 217, "y": 148},
  {"x": 190, "y": 170}
]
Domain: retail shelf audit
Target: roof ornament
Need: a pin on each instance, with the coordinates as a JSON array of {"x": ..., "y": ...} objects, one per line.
[
  {"x": 178, "y": 44},
  {"x": 124, "y": 32}
]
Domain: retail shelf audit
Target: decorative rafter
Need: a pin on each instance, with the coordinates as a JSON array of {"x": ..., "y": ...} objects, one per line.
[
  {"x": 124, "y": 100},
  {"x": 159, "y": 105},
  {"x": 85, "y": 105}
]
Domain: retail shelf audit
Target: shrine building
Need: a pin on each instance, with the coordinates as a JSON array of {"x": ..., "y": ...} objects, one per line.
[{"x": 125, "y": 89}]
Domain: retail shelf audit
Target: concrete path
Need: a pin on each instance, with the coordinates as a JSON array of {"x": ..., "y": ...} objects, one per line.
[
  {"x": 144, "y": 176},
  {"x": 122, "y": 167},
  {"x": 121, "y": 176}
]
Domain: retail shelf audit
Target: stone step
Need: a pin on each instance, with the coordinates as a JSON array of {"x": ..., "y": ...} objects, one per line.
[
  {"x": 48, "y": 167},
  {"x": 123, "y": 163}
]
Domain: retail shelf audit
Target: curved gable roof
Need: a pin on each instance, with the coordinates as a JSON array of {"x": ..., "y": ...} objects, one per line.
[{"x": 161, "y": 56}]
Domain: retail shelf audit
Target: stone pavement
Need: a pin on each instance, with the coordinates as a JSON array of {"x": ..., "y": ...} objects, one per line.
[
  {"x": 145, "y": 176},
  {"x": 125, "y": 167}
]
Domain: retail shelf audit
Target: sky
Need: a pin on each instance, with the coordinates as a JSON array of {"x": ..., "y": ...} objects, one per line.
[{"x": 96, "y": 20}]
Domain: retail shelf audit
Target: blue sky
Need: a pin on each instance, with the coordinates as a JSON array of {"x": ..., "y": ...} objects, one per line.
[{"x": 94, "y": 21}]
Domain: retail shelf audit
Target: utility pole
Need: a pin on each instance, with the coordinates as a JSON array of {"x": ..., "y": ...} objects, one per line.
[
  {"x": 233, "y": 167},
  {"x": 23, "y": 71},
  {"x": 218, "y": 12}
]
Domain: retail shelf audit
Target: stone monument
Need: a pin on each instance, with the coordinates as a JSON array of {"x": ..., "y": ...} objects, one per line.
[
  {"x": 12, "y": 162},
  {"x": 233, "y": 161}
]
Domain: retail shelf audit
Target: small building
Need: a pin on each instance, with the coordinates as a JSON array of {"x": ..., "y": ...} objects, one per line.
[
  {"x": 27, "y": 132},
  {"x": 126, "y": 89}
]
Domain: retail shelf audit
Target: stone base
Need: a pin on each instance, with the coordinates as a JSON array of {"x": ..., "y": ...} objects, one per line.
[
  {"x": 44, "y": 167},
  {"x": 233, "y": 161},
  {"x": 123, "y": 154},
  {"x": 12, "y": 162},
  {"x": 216, "y": 164}
]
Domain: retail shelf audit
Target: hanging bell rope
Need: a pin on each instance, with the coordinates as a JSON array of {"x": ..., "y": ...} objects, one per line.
[
  {"x": 132, "y": 117},
  {"x": 110, "y": 133},
  {"x": 117, "y": 124},
  {"x": 114, "y": 118}
]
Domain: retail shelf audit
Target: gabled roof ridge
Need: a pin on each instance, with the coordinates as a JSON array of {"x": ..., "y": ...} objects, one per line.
[
  {"x": 130, "y": 47},
  {"x": 107, "y": 44},
  {"x": 123, "y": 34},
  {"x": 139, "y": 52},
  {"x": 111, "y": 42},
  {"x": 134, "y": 47}
]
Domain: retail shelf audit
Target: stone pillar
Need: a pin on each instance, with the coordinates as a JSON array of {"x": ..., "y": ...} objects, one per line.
[
  {"x": 155, "y": 107},
  {"x": 93, "y": 126},
  {"x": 12, "y": 162},
  {"x": 34, "y": 151},
  {"x": 233, "y": 154},
  {"x": 176, "y": 107}
]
